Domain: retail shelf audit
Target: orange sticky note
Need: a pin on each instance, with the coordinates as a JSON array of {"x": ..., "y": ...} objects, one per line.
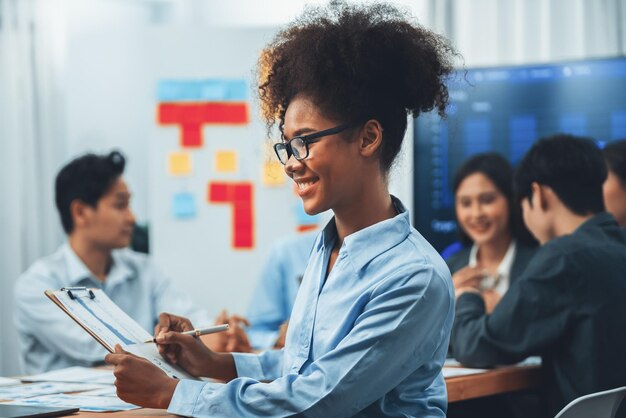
[
  {"x": 226, "y": 161},
  {"x": 273, "y": 174},
  {"x": 179, "y": 163}
]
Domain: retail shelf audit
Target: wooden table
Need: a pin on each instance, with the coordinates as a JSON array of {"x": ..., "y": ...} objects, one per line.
[{"x": 493, "y": 382}]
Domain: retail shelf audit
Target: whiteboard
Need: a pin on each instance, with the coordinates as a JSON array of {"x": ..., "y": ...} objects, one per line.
[{"x": 197, "y": 252}]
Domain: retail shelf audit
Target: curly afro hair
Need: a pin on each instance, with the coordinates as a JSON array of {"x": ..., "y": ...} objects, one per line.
[{"x": 357, "y": 63}]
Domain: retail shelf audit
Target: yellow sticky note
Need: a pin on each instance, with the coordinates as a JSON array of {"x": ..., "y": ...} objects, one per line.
[
  {"x": 273, "y": 174},
  {"x": 179, "y": 163},
  {"x": 226, "y": 161}
]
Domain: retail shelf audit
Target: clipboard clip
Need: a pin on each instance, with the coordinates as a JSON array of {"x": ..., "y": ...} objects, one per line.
[{"x": 72, "y": 296}]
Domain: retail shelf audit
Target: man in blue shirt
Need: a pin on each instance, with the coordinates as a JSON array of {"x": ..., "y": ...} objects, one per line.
[
  {"x": 277, "y": 288},
  {"x": 267, "y": 318},
  {"x": 94, "y": 205}
]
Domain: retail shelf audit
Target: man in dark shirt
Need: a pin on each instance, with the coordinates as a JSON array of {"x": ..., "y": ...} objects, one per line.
[{"x": 568, "y": 305}]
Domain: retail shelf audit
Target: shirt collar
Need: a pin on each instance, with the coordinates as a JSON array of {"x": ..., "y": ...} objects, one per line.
[
  {"x": 501, "y": 279},
  {"x": 364, "y": 245},
  {"x": 77, "y": 271},
  {"x": 505, "y": 265},
  {"x": 504, "y": 269}
]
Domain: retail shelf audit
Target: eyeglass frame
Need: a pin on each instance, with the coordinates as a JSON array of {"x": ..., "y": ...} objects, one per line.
[{"x": 308, "y": 139}]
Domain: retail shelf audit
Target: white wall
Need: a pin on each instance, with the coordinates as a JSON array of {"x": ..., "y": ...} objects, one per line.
[{"x": 106, "y": 92}]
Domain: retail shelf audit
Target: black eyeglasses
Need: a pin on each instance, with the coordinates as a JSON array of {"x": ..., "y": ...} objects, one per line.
[{"x": 298, "y": 146}]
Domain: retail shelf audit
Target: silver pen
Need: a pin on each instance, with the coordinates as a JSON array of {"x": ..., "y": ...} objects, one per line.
[{"x": 198, "y": 332}]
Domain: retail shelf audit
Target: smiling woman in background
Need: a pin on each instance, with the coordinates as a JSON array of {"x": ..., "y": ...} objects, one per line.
[{"x": 497, "y": 244}]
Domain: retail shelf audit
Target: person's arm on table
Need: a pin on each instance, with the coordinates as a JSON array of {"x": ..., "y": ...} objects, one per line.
[
  {"x": 140, "y": 382},
  {"x": 531, "y": 315},
  {"x": 390, "y": 341}
]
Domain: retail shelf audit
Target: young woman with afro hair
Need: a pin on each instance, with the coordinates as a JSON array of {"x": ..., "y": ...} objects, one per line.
[{"x": 369, "y": 331}]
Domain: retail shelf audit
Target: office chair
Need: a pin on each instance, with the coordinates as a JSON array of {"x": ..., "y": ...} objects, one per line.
[{"x": 597, "y": 405}]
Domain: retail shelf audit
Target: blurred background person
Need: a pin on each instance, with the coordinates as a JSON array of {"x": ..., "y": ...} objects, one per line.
[
  {"x": 93, "y": 201},
  {"x": 496, "y": 244},
  {"x": 265, "y": 324},
  {"x": 614, "y": 188}
]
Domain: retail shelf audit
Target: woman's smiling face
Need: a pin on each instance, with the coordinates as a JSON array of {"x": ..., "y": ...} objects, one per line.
[
  {"x": 481, "y": 209},
  {"x": 329, "y": 177}
]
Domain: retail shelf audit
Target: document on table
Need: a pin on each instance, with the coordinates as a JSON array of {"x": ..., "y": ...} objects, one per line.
[
  {"x": 530, "y": 361},
  {"x": 460, "y": 371},
  {"x": 5, "y": 381},
  {"x": 106, "y": 391},
  {"x": 108, "y": 324},
  {"x": 74, "y": 374},
  {"x": 84, "y": 402},
  {"x": 44, "y": 388}
]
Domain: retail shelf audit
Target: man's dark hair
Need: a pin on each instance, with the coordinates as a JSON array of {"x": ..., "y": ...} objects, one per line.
[
  {"x": 573, "y": 167},
  {"x": 87, "y": 179},
  {"x": 357, "y": 63},
  {"x": 615, "y": 157},
  {"x": 499, "y": 171}
]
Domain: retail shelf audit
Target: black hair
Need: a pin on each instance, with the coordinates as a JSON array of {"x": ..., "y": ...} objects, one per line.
[
  {"x": 357, "y": 63},
  {"x": 499, "y": 171},
  {"x": 573, "y": 167},
  {"x": 86, "y": 178},
  {"x": 615, "y": 157}
]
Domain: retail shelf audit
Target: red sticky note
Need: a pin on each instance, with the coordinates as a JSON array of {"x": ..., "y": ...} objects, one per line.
[
  {"x": 192, "y": 116},
  {"x": 240, "y": 197},
  {"x": 218, "y": 192}
]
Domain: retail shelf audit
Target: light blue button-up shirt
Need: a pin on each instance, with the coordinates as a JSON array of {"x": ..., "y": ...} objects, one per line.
[
  {"x": 277, "y": 288},
  {"x": 368, "y": 340},
  {"x": 50, "y": 339}
]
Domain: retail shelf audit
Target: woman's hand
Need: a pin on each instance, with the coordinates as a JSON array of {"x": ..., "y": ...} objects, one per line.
[
  {"x": 195, "y": 357},
  {"x": 468, "y": 277},
  {"x": 169, "y": 322},
  {"x": 140, "y": 382}
]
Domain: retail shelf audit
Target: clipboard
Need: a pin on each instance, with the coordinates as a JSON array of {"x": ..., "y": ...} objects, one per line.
[
  {"x": 51, "y": 295},
  {"x": 108, "y": 324}
]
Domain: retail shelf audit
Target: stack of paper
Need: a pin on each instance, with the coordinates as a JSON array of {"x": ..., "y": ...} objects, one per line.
[
  {"x": 74, "y": 374},
  {"x": 44, "y": 388},
  {"x": 75, "y": 387},
  {"x": 460, "y": 371},
  {"x": 5, "y": 381},
  {"x": 84, "y": 402}
]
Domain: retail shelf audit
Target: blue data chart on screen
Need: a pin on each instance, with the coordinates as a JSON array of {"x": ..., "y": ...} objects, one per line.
[{"x": 506, "y": 110}]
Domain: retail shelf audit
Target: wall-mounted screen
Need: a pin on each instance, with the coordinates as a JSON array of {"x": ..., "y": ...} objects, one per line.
[{"x": 506, "y": 109}]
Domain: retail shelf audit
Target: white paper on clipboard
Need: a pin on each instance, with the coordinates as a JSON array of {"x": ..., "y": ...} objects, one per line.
[{"x": 109, "y": 325}]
